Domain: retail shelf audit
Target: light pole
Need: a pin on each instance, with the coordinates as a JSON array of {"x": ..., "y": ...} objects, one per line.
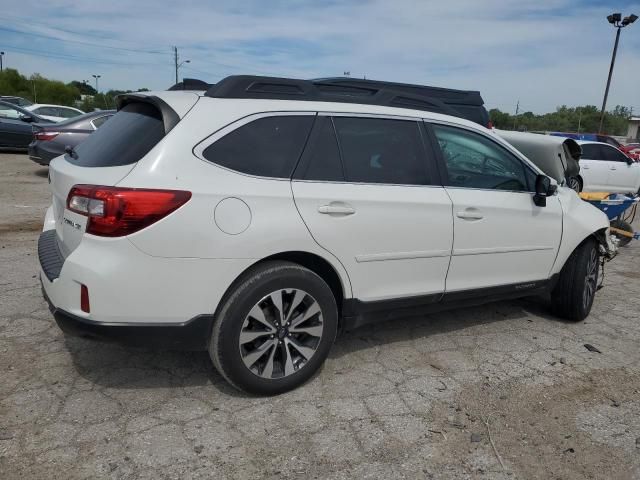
[
  {"x": 175, "y": 59},
  {"x": 1, "y": 55},
  {"x": 619, "y": 23},
  {"x": 96, "y": 77}
]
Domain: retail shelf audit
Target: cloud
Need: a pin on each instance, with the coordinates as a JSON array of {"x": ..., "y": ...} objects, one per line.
[{"x": 541, "y": 53}]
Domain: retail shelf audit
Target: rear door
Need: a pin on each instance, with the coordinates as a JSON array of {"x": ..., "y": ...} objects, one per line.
[
  {"x": 368, "y": 195},
  {"x": 501, "y": 238},
  {"x": 594, "y": 168},
  {"x": 623, "y": 176}
]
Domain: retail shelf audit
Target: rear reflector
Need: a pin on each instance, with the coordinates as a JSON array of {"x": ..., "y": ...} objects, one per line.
[
  {"x": 84, "y": 299},
  {"x": 115, "y": 212},
  {"x": 45, "y": 136}
]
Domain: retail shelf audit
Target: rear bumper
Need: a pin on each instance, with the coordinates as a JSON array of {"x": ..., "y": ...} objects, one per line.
[
  {"x": 41, "y": 155},
  {"x": 190, "y": 335},
  {"x": 134, "y": 298}
]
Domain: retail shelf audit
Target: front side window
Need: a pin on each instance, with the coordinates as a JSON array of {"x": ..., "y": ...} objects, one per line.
[
  {"x": 474, "y": 161},
  {"x": 267, "y": 147},
  {"x": 612, "y": 154},
  {"x": 382, "y": 151}
]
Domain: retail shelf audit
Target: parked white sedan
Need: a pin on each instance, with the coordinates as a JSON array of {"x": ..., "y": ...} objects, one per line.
[
  {"x": 55, "y": 113},
  {"x": 604, "y": 168}
]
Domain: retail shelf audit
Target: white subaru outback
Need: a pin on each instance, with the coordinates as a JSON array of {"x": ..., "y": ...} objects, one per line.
[{"x": 257, "y": 218}]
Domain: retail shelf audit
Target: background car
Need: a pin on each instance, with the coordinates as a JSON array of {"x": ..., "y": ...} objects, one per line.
[
  {"x": 56, "y": 113},
  {"x": 49, "y": 141},
  {"x": 19, "y": 101},
  {"x": 604, "y": 168},
  {"x": 16, "y": 125},
  {"x": 632, "y": 150}
]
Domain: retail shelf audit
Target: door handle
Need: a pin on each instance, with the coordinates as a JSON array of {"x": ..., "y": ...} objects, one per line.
[
  {"x": 470, "y": 215},
  {"x": 585, "y": 167},
  {"x": 613, "y": 168},
  {"x": 336, "y": 209}
]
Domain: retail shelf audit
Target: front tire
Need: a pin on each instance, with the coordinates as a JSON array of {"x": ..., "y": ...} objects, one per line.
[
  {"x": 573, "y": 295},
  {"x": 574, "y": 183},
  {"x": 274, "y": 329}
]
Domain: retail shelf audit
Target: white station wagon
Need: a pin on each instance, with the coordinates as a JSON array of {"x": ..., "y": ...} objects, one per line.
[{"x": 258, "y": 217}]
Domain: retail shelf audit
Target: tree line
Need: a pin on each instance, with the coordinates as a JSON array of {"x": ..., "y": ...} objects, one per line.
[
  {"x": 39, "y": 89},
  {"x": 585, "y": 119}
]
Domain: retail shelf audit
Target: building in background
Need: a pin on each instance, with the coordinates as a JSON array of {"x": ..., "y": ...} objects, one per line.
[{"x": 633, "y": 133}]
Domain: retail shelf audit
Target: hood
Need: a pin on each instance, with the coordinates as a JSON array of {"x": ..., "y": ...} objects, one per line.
[{"x": 556, "y": 156}]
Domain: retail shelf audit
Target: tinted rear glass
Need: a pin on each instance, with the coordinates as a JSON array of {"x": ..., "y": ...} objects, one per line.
[
  {"x": 267, "y": 147},
  {"x": 124, "y": 139}
]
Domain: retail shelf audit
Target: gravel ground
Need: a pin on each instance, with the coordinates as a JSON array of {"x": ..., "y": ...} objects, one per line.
[{"x": 501, "y": 391}]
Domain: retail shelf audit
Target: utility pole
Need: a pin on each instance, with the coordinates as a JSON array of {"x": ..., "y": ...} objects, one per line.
[
  {"x": 515, "y": 120},
  {"x": 619, "y": 23},
  {"x": 1, "y": 55},
  {"x": 175, "y": 60},
  {"x": 579, "y": 118}
]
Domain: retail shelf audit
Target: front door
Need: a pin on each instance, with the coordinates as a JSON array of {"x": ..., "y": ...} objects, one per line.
[
  {"x": 500, "y": 236},
  {"x": 623, "y": 175},
  {"x": 368, "y": 196}
]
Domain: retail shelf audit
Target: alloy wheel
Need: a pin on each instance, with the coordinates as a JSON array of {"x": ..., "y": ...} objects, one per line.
[
  {"x": 591, "y": 279},
  {"x": 281, "y": 333}
]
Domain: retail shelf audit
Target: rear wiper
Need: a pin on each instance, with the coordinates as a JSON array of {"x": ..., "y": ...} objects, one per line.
[{"x": 72, "y": 153}]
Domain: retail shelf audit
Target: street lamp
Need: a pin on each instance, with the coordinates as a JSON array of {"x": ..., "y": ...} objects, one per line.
[
  {"x": 619, "y": 23},
  {"x": 96, "y": 77},
  {"x": 1, "y": 55}
]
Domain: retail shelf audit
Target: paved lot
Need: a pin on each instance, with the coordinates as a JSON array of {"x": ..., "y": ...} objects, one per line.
[{"x": 502, "y": 391}]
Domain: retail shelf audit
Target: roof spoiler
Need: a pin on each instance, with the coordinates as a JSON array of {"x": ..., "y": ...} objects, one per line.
[{"x": 169, "y": 116}]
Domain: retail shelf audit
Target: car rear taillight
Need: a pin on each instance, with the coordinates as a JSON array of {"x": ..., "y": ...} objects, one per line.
[
  {"x": 45, "y": 136},
  {"x": 115, "y": 212}
]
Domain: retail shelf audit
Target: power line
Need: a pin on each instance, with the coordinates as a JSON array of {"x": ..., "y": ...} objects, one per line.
[
  {"x": 49, "y": 37},
  {"x": 61, "y": 56}
]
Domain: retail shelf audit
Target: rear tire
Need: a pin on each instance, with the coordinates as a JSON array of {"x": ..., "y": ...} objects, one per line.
[
  {"x": 274, "y": 329},
  {"x": 573, "y": 295},
  {"x": 622, "y": 225}
]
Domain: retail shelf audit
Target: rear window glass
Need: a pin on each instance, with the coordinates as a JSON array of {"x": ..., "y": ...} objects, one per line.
[
  {"x": 124, "y": 139},
  {"x": 267, "y": 147}
]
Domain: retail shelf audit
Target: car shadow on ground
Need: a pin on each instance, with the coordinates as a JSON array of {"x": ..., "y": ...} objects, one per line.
[
  {"x": 115, "y": 366},
  {"x": 42, "y": 172}
]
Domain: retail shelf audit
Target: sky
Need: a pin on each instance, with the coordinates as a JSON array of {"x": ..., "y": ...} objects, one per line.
[{"x": 543, "y": 53}]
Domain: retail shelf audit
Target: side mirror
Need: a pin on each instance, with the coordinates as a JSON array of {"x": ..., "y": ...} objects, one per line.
[
  {"x": 629, "y": 161},
  {"x": 26, "y": 118},
  {"x": 543, "y": 190}
]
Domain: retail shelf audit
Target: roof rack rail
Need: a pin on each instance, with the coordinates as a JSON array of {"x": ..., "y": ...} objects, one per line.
[
  {"x": 191, "y": 84},
  {"x": 346, "y": 90}
]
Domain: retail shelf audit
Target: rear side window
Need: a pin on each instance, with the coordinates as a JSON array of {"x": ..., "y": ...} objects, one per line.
[
  {"x": 321, "y": 159},
  {"x": 267, "y": 147},
  {"x": 382, "y": 151},
  {"x": 97, "y": 122},
  {"x": 124, "y": 139}
]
